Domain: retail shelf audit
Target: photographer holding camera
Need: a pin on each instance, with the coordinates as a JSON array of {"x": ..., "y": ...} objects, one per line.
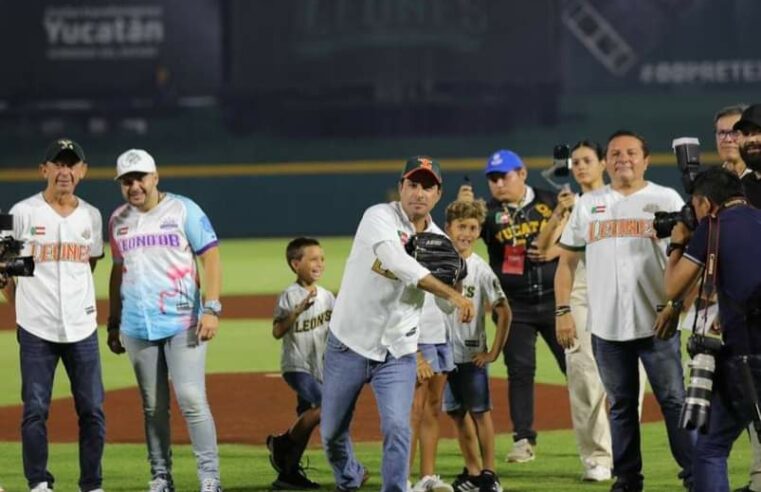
[
  {"x": 56, "y": 314},
  {"x": 728, "y": 234},
  {"x": 612, "y": 227}
]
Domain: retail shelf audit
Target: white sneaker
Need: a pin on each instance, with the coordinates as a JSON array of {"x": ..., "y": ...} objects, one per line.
[
  {"x": 432, "y": 483},
  {"x": 41, "y": 487},
  {"x": 210, "y": 485},
  {"x": 596, "y": 473},
  {"x": 409, "y": 486},
  {"x": 523, "y": 452}
]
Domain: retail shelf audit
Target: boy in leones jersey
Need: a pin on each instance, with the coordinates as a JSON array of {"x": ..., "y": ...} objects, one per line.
[
  {"x": 466, "y": 397},
  {"x": 301, "y": 321}
]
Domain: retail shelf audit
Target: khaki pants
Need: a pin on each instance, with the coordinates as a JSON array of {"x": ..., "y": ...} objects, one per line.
[{"x": 589, "y": 411}]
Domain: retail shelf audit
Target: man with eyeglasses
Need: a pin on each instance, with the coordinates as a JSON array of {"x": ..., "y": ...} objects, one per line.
[
  {"x": 727, "y": 138},
  {"x": 516, "y": 214}
]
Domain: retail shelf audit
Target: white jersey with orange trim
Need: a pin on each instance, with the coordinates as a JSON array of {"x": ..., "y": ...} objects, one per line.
[
  {"x": 482, "y": 287},
  {"x": 304, "y": 343},
  {"x": 57, "y": 304},
  {"x": 624, "y": 260}
]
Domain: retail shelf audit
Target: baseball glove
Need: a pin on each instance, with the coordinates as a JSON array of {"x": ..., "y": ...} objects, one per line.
[{"x": 437, "y": 253}]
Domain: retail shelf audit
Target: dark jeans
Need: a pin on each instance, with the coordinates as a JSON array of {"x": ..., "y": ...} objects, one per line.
[
  {"x": 618, "y": 366},
  {"x": 520, "y": 359},
  {"x": 730, "y": 416},
  {"x": 39, "y": 359}
]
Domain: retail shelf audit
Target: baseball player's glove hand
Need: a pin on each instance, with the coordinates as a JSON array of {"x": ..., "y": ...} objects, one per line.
[{"x": 437, "y": 253}]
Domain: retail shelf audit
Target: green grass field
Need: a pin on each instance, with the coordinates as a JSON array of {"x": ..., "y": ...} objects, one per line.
[{"x": 258, "y": 267}]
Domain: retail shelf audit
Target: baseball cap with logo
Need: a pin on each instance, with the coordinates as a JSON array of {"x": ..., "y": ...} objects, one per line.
[
  {"x": 503, "y": 161},
  {"x": 60, "y": 145},
  {"x": 134, "y": 161},
  {"x": 750, "y": 117},
  {"x": 421, "y": 163}
]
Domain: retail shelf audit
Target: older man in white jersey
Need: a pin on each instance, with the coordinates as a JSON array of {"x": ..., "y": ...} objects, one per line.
[
  {"x": 55, "y": 314},
  {"x": 612, "y": 227},
  {"x": 373, "y": 331}
]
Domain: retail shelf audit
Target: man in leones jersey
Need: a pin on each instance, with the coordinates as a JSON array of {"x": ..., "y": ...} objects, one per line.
[
  {"x": 613, "y": 227},
  {"x": 55, "y": 314}
]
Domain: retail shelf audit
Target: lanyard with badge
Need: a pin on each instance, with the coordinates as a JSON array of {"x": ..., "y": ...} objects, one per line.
[{"x": 514, "y": 259}]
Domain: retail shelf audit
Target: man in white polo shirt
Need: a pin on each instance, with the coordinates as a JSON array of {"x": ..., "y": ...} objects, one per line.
[
  {"x": 55, "y": 314},
  {"x": 373, "y": 331}
]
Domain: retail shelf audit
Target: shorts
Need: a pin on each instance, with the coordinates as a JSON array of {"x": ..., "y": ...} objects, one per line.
[
  {"x": 438, "y": 355},
  {"x": 308, "y": 390},
  {"x": 467, "y": 389}
]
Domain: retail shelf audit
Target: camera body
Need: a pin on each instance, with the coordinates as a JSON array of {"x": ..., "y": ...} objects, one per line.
[
  {"x": 11, "y": 263},
  {"x": 687, "y": 152},
  {"x": 561, "y": 166}
]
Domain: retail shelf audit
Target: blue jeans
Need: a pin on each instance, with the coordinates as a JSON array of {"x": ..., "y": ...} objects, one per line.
[
  {"x": 183, "y": 358},
  {"x": 393, "y": 382},
  {"x": 619, "y": 372},
  {"x": 81, "y": 360}
]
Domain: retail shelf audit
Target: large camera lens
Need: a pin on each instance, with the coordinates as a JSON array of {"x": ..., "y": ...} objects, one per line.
[{"x": 696, "y": 410}]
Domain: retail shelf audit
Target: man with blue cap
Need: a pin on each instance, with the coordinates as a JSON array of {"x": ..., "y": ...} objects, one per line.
[{"x": 516, "y": 214}]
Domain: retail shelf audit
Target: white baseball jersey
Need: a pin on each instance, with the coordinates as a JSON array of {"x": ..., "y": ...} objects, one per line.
[
  {"x": 481, "y": 286},
  {"x": 157, "y": 250},
  {"x": 377, "y": 311},
  {"x": 432, "y": 324},
  {"x": 304, "y": 344},
  {"x": 625, "y": 261},
  {"x": 57, "y": 304}
]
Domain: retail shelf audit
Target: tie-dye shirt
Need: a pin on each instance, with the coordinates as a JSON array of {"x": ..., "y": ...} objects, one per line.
[{"x": 157, "y": 250}]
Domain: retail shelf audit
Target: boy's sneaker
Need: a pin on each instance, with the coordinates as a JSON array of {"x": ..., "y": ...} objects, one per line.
[
  {"x": 523, "y": 452},
  {"x": 489, "y": 482},
  {"x": 596, "y": 473},
  {"x": 210, "y": 485},
  {"x": 280, "y": 449},
  {"x": 431, "y": 483},
  {"x": 464, "y": 482},
  {"x": 296, "y": 480},
  {"x": 41, "y": 487},
  {"x": 161, "y": 483}
]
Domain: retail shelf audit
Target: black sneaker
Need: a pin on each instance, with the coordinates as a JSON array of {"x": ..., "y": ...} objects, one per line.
[
  {"x": 620, "y": 486},
  {"x": 465, "y": 482},
  {"x": 279, "y": 448},
  {"x": 296, "y": 480},
  {"x": 488, "y": 482}
]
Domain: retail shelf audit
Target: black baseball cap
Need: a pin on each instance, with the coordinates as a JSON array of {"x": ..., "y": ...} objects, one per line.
[
  {"x": 750, "y": 117},
  {"x": 422, "y": 163},
  {"x": 61, "y": 145}
]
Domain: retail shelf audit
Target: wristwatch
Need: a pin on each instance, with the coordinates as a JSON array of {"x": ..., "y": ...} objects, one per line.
[{"x": 212, "y": 307}]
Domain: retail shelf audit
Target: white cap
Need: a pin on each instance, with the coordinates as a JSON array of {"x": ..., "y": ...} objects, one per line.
[{"x": 134, "y": 161}]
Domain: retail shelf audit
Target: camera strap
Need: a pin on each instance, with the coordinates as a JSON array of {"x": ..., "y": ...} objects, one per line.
[{"x": 708, "y": 281}]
